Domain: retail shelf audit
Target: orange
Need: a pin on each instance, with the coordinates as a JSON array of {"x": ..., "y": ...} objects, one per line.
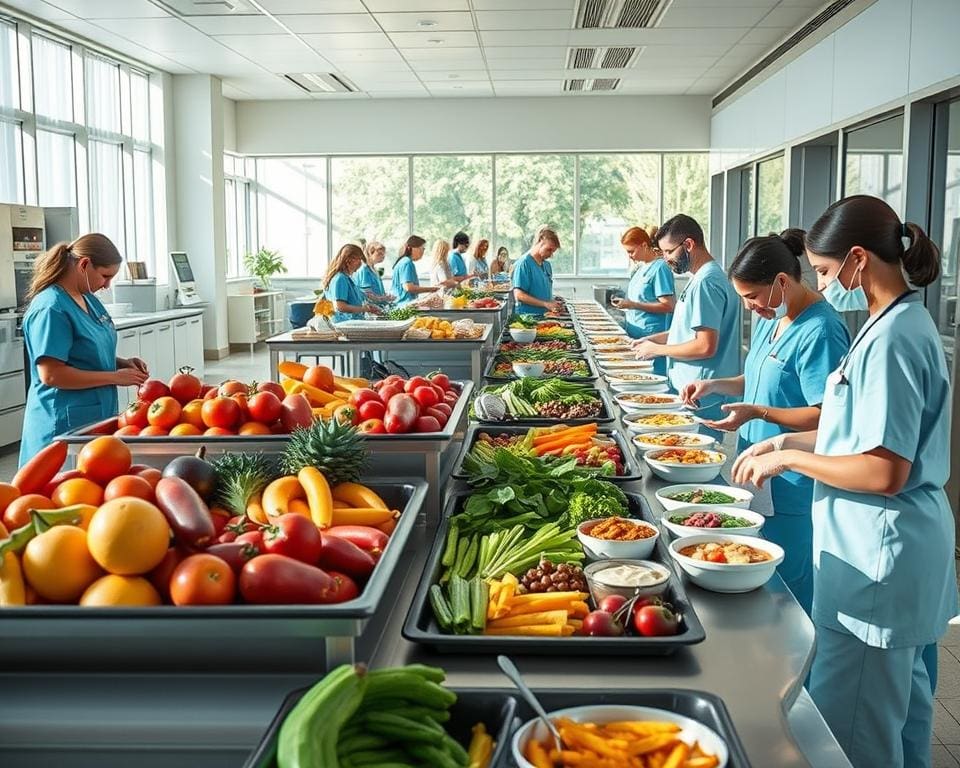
[
  {"x": 104, "y": 458},
  {"x": 17, "y": 513},
  {"x": 128, "y": 485},
  {"x": 185, "y": 430},
  {"x": 254, "y": 428},
  {"x": 153, "y": 431},
  {"x": 151, "y": 474},
  {"x": 58, "y": 564},
  {"x": 191, "y": 414},
  {"x": 79, "y": 490},
  {"x": 111, "y": 590},
  {"x": 319, "y": 376},
  {"x": 86, "y": 515},
  {"x": 128, "y": 536},
  {"x": 8, "y": 493}
]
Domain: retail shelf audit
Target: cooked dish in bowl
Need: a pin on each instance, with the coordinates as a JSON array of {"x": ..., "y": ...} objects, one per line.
[
  {"x": 665, "y": 420},
  {"x": 679, "y": 456},
  {"x": 703, "y": 496},
  {"x": 730, "y": 552},
  {"x": 674, "y": 440},
  {"x": 620, "y": 529},
  {"x": 638, "y": 399}
]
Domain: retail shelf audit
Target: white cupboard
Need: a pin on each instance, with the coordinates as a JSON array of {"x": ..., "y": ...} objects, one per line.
[{"x": 166, "y": 359}]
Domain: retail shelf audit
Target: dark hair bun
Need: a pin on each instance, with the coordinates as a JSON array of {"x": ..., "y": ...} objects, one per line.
[{"x": 793, "y": 238}]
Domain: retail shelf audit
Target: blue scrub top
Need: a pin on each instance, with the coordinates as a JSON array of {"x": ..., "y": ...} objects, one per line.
[
  {"x": 458, "y": 267},
  {"x": 647, "y": 284},
  {"x": 55, "y": 326},
  {"x": 480, "y": 266},
  {"x": 342, "y": 288},
  {"x": 404, "y": 271},
  {"x": 708, "y": 301},
  {"x": 791, "y": 372},
  {"x": 884, "y": 567},
  {"x": 534, "y": 279},
  {"x": 367, "y": 279}
]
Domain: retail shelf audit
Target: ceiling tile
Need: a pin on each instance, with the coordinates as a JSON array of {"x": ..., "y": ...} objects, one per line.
[
  {"x": 679, "y": 52},
  {"x": 768, "y": 36},
  {"x": 330, "y": 24},
  {"x": 529, "y": 5},
  {"x": 558, "y": 73},
  {"x": 444, "y": 21},
  {"x": 720, "y": 16},
  {"x": 519, "y": 65},
  {"x": 248, "y": 44},
  {"x": 456, "y": 76},
  {"x": 162, "y": 35},
  {"x": 381, "y": 56},
  {"x": 40, "y": 9},
  {"x": 264, "y": 86},
  {"x": 249, "y": 24},
  {"x": 111, "y": 9},
  {"x": 787, "y": 16},
  {"x": 446, "y": 66},
  {"x": 385, "y": 6},
  {"x": 371, "y": 84},
  {"x": 723, "y": 3},
  {"x": 528, "y": 87},
  {"x": 381, "y": 71},
  {"x": 359, "y": 41},
  {"x": 90, "y": 30},
  {"x": 436, "y": 52},
  {"x": 217, "y": 60},
  {"x": 514, "y": 52},
  {"x": 399, "y": 94},
  {"x": 313, "y": 6},
  {"x": 526, "y": 19},
  {"x": 659, "y": 60},
  {"x": 232, "y": 92},
  {"x": 294, "y": 60},
  {"x": 420, "y": 39},
  {"x": 457, "y": 89},
  {"x": 553, "y": 38},
  {"x": 382, "y": 78}
]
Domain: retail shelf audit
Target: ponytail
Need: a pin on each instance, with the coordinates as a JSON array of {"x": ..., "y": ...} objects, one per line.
[
  {"x": 52, "y": 266},
  {"x": 921, "y": 259},
  {"x": 761, "y": 259}
]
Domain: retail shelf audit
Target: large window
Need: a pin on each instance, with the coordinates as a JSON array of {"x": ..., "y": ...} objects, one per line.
[
  {"x": 770, "y": 199},
  {"x": 686, "y": 188},
  {"x": 616, "y": 192},
  {"x": 11, "y": 169},
  {"x": 103, "y": 94},
  {"x": 140, "y": 107},
  {"x": 947, "y": 318},
  {"x": 532, "y": 191},
  {"x": 105, "y": 162},
  {"x": 873, "y": 161},
  {"x": 370, "y": 202},
  {"x": 453, "y": 193},
  {"x": 52, "y": 78},
  {"x": 9, "y": 66},
  {"x": 143, "y": 205},
  {"x": 56, "y": 168}
]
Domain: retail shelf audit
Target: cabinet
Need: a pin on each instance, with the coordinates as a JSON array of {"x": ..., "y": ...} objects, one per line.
[
  {"x": 253, "y": 317},
  {"x": 193, "y": 350},
  {"x": 166, "y": 359},
  {"x": 128, "y": 345}
]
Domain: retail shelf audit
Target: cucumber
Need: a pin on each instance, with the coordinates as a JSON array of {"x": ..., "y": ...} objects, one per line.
[
  {"x": 441, "y": 608},
  {"x": 479, "y": 602}
]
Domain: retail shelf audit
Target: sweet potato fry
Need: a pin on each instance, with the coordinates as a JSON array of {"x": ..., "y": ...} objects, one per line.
[
  {"x": 677, "y": 756},
  {"x": 536, "y": 630},
  {"x": 709, "y": 761},
  {"x": 529, "y": 619}
]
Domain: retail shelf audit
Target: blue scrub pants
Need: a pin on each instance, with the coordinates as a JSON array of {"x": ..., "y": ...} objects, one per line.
[
  {"x": 795, "y": 534},
  {"x": 878, "y": 702}
]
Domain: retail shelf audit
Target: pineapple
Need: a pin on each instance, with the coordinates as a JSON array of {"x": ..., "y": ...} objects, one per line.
[
  {"x": 240, "y": 476},
  {"x": 335, "y": 449}
]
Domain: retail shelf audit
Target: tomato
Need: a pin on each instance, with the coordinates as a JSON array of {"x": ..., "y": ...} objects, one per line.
[
  {"x": 282, "y": 580},
  {"x": 347, "y": 588},
  {"x": 192, "y": 413},
  {"x": 402, "y": 413},
  {"x": 612, "y": 603},
  {"x": 152, "y": 389},
  {"x": 444, "y": 408},
  {"x": 151, "y": 474},
  {"x": 104, "y": 458},
  {"x": 241, "y": 524},
  {"x": 360, "y": 396},
  {"x": 295, "y": 412},
  {"x": 136, "y": 414},
  {"x": 371, "y": 409},
  {"x": 393, "y": 380},
  {"x": 160, "y": 575},
  {"x": 440, "y": 379},
  {"x": 234, "y": 553},
  {"x": 439, "y": 415},
  {"x": 426, "y": 396},
  {"x": 450, "y": 398},
  {"x": 58, "y": 478},
  {"x": 233, "y": 387},
  {"x": 211, "y": 393},
  {"x": 218, "y": 432},
  {"x": 128, "y": 485},
  {"x": 716, "y": 556},
  {"x": 121, "y": 421},
  {"x": 186, "y": 430},
  {"x": 368, "y": 539},
  {"x": 387, "y": 391},
  {"x": 254, "y": 428},
  {"x": 295, "y": 536},
  {"x": 184, "y": 386},
  {"x": 164, "y": 412},
  {"x": 414, "y": 382},
  {"x": 129, "y": 431},
  {"x": 372, "y": 427},
  {"x": 220, "y": 412},
  {"x": 426, "y": 424},
  {"x": 153, "y": 431},
  {"x": 254, "y": 538},
  {"x": 243, "y": 401},
  {"x": 265, "y": 407},
  {"x": 655, "y": 621},
  {"x": 273, "y": 388},
  {"x": 343, "y": 555},
  {"x": 345, "y": 414},
  {"x": 203, "y": 580}
]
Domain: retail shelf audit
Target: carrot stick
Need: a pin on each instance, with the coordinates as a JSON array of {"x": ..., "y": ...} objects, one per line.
[
  {"x": 551, "y": 436},
  {"x": 563, "y": 443},
  {"x": 567, "y": 448}
]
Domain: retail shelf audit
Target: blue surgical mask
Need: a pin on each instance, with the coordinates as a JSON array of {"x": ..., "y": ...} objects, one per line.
[
  {"x": 845, "y": 299},
  {"x": 681, "y": 264},
  {"x": 780, "y": 311}
]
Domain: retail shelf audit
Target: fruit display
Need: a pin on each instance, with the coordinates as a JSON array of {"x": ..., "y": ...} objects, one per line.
[
  {"x": 546, "y": 398},
  {"x": 584, "y": 443},
  {"x": 245, "y": 528},
  {"x": 443, "y": 330},
  {"x": 564, "y": 367},
  {"x": 385, "y": 717}
]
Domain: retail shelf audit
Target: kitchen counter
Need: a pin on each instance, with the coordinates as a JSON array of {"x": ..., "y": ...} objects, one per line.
[{"x": 136, "y": 319}]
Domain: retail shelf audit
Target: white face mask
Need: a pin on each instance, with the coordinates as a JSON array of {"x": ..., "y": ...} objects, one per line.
[
  {"x": 845, "y": 299},
  {"x": 780, "y": 311}
]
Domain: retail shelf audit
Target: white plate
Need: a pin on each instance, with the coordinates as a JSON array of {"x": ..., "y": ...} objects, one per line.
[
  {"x": 625, "y": 401},
  {"x": 632, "y": 421},
  {"x": 625, "y": 365},
  {"x": 685, "y": 473},
  {"x": 726, "y": 577},
  {"x": 638, "y": 387},
  {"x": 743, "y": 497},
  {"x": 611, "y": 349},
  {"x": 698, "y": 440},
  {"x": 690, "y": 730}
]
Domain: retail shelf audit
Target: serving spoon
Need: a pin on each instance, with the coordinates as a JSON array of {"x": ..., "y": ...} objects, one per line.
[{"x": 510, "y": 670}]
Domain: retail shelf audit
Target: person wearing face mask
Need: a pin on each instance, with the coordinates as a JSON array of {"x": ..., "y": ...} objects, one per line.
[
  {"x": 703, "y": 340},
  {"x": 648, "y": 305},
  {"x": 883, "y": 532},
  {"x": 367, "y": 279},
  {"x": 797, "y": 341},
  {"x": 71, "y": 343},
  {"x": 533, "y": 276}
]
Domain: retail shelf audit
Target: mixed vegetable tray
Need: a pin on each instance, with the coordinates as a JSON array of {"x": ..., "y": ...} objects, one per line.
[
  {"x": 542, "y": 401},
  {"x": 558, "y": 365}
]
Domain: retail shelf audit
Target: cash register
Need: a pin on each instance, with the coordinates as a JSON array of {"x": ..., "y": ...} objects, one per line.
[{"x": 186, "y": 283}]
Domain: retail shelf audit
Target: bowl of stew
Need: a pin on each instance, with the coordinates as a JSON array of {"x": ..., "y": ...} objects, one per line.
[
  {"x": 685, "y": 465},
  {"x": 726, "y": 562}
]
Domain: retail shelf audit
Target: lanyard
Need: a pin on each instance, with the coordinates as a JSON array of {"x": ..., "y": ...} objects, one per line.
[{"x": 840, "y": 375}]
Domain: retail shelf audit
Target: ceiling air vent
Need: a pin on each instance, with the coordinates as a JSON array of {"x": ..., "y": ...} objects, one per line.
[
  {"x": 619, "y": 14},
  {"x": 323, "y": 82},
  {"x": 618, "y": 57},
  {"x": 605, "y": 84},
  {"x": 573, "y": 85},
  {"x": 581, "y": 58}
]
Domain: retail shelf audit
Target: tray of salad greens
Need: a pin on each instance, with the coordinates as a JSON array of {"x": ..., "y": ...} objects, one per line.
[{"x": 542, "y": 401}]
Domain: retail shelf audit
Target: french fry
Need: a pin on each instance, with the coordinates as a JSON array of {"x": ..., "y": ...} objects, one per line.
[
  {"x": 579, "y": 608},
  {"x": 677, "y": 756},
  {"x": 537, "y": 630},
  {"x": 702, "y": 762},
  {"x": 527, "y": 619},
  {"x": 644, "y": 727},
  {"x": 538, "y": 597},
  {"x": 652, "y": 743},
  {"x": 537, "y": 755}
]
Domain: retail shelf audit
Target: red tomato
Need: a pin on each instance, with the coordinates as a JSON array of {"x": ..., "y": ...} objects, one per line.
[
  {"x": 184, "y": 386},
  {"x": 234, "y": 553},
  {"x": 426, "y": 395},
  {"x": 164, "y": 412},
  {"x": 294, "y": 536},
  {"x": 265, "y": 407},
  {"x": 283, "y": 580},
  {"x": 347, "y": 588},
  {"x": 402, "y": 413},
  {"x": 360, "y": 396},
  {"x": 346, "y": 414},
  {"x": 393, "y": 379},
  {"x": 153, "y": 431},
  {"x": 426, "y": 424},
  {"x": 441, "y": 380},
  {"x": 220, "y": 518},
  {"x": 241, "y": 399},
  {"x": 220, "y": 412},
  {"x": 216, "y": 432},
  {"x": 450, "y": 398},
  {"x": 372, "y": 427},
  {"x": 444, "y": 408},
  {"x": 272, "y": 387},
  {"x": 414, "y": 382},
  {"x": 121, "y": 421},
  {"x": 136, "y": 414},
  {"x": 439, "y": 415},
  {"x": 295, "y": 412},
  {"x": 387, "y": 391},
  {"x": 371, "y": 409},
  {"x": 343, "y": 555},
  {"x": 129, "y": 431},
  {"x": 203, "y": 580},
  {"x": 240, "y": 524},
  {"x": 254, "y": 538},
  {"x": 151, "y": 389},
  {"x": 655, "y": 621},
  {"x": 716, "y": 556},
  {"x": 233, "y": 387},
  {"x": 211, "y": 393}
]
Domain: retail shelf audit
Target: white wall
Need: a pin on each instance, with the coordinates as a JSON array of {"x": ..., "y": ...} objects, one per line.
[
  {"x": 893, "y": 49},
  {"x": 546, "y": 124},
  {"x": 229, "y": 125}
]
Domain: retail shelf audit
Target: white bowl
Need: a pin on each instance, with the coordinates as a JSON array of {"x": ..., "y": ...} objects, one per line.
[
  {"x": 599, "y": 589},
  {"x": 632, "y": 421},
  {"x": 691, "y": 730},
  {"x": 644, "y": 444},
  {"x": 601, "y": 549},
  {"x": 629, "y": 401},
  {"x": 523, "y": 335},
  {"x": 533, "y": 369},
  {"x": 679, "y": 530},
  {"x": 726, "y": 577},
  {"x": 633, "y": 386},
  {"x": 622, "y": 366},
  {"x": 686, "y": 473},
  {"x": 743, "y": 497}
]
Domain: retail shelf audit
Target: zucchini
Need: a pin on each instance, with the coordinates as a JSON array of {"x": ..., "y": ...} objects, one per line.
[
  {"x": 441, "y": 608},
  {"x": 460, "y": 603},
  {"x": 479, "y": 600},
  {"x": 450, "y": 553}
]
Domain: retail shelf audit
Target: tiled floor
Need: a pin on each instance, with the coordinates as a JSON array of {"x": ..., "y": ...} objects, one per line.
[{"x": 946, "y": 728}]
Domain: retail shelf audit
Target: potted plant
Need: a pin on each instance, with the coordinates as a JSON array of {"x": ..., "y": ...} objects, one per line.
[{"x": 263, "y": 265}]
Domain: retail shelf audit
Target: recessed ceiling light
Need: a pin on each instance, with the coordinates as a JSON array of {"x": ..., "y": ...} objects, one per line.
[
  {"x": 435, "y": 41},
  {"x": 426, "y": 23}
]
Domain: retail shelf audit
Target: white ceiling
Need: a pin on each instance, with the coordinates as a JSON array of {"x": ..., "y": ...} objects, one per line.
[{"x": 390, "y": 49}]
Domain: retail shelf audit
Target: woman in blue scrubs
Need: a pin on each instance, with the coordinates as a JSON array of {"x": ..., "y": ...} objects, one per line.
[
  {"x": 367, "y": 278},
  {"x": 348, "y": 300},
  {"x": 798, "y": 340},
  {"x": 533, "y": 276},
  {"x": 883, "y": 533},
  {"x": 648, "y": 306},
  {"x": 478, "y": 262},
  {"x": 704, "y": 337},
  {"x": 72, "y": 344},
  {"x": 405, "y": 282}
]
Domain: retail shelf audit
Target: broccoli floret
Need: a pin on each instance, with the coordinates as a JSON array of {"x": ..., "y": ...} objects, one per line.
[{"x": 584, "y": 506}]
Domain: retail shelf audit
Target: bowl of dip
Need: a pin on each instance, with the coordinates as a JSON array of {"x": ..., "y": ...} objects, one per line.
[
  {"x": 626, "y": 578},
  {"x": 620, "y": 537}
]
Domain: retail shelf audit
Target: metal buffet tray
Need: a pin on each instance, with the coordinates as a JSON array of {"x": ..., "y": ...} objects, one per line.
[
  {"x": 631, "y": 467},
  {"x": 697, "y": 705},
  {"x": 606, "y": 415},
  {"x": 506, "y": 338},
  {"x": 495, "y": 359},
  {"x": 495, "y": 709},
  {"x": 421, "y": 627}
]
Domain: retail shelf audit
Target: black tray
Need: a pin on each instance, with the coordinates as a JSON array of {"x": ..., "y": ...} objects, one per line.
[
  {"x": 631, "y": 467},
  {"x": 421, "y": 627},
  {"x": 697, "y": 705},
  {"x": 606, "y": 415},
  {"x": 495, "y": 359},
  {"x": 506, "y": 338},
  {"x": 495, "y": 709}
]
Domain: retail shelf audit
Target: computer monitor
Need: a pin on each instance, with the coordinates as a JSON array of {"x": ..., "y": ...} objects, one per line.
[{"x": 186, "y": 283}]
